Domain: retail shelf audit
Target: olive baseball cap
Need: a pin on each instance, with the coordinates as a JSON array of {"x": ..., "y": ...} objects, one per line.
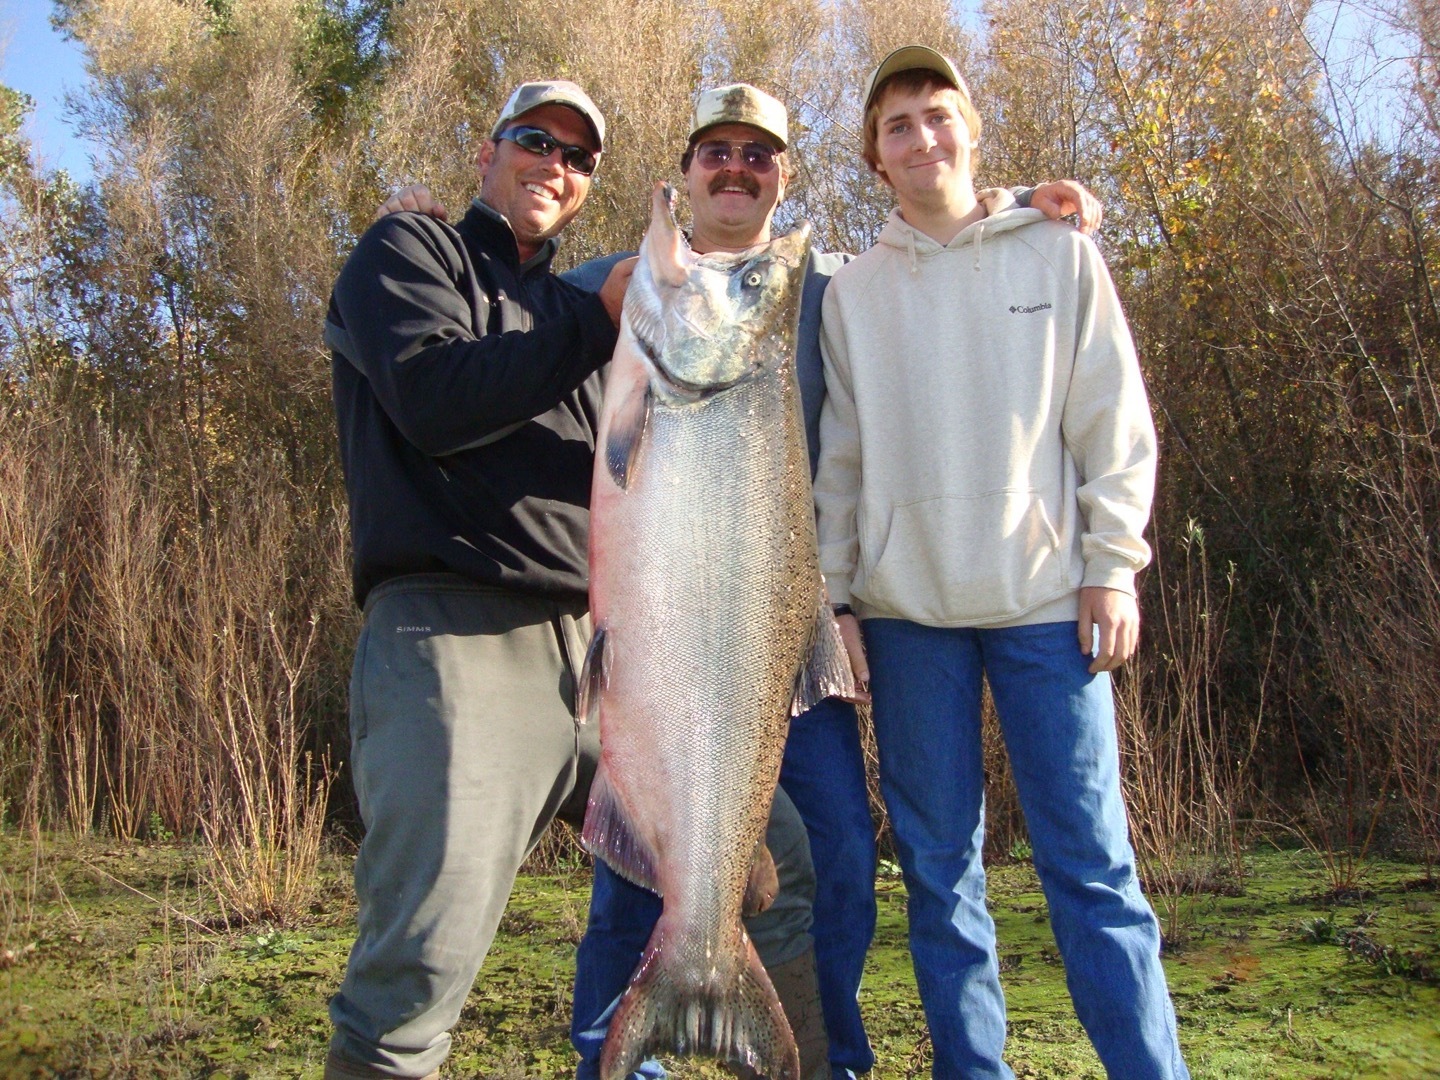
[
  {"x": 532, "y": 95},
  {"x": 914, "y": 56},
  {"x": 740, "y": 103}
]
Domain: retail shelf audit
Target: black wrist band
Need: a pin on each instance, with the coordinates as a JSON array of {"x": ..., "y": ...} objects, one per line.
[{"x": 842, "y": 609}]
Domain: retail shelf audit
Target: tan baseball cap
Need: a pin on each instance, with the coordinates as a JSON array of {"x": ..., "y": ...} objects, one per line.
[
  {"x": 914, "y": 56},
  {"x": 532, "y": 95},
  {"x": 740, "y": 103}
]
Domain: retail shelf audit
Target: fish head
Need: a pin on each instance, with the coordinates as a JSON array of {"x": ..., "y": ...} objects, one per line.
[{"x": 706, "y": 322}]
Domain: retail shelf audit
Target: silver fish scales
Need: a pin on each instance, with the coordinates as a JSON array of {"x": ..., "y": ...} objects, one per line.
[{"x": 711, "y": 630}]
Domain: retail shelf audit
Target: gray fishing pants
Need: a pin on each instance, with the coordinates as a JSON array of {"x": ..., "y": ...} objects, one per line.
[{"x": 464, "y": 747}]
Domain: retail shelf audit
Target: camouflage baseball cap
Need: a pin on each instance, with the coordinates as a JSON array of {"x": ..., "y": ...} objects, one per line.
[
  {"x": 740, "y": 103},
  {"x": 532, "y": 95}
]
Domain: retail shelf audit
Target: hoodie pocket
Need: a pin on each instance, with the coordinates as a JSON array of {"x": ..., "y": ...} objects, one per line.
[{"x": 968, "y": 560}]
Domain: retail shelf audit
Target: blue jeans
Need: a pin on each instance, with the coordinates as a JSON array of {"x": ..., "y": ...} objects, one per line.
[
  {"x": 622, "y": 917},
  {"x": 824, "y": 775},
  {"x": 1058, "y": 722}
]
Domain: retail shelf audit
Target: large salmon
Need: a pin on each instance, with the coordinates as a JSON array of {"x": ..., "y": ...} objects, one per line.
[{"x": 711, "y": 629}]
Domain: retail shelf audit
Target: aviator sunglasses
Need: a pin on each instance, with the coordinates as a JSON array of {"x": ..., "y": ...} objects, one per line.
[
  {"x": 542, "y": 143},
  {"x": 757, "y": 157}
]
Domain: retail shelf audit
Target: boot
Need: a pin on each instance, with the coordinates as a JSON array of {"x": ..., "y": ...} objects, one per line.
[
  {"x": 337, "y": 1068},
  {"x": 799, "y": 991}
]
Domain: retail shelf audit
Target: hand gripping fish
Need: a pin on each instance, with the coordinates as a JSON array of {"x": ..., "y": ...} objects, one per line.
[{"x": 712, "y": 629}]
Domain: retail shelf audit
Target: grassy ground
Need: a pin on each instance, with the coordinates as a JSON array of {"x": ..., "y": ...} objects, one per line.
[{"x": 111, "y": 967}]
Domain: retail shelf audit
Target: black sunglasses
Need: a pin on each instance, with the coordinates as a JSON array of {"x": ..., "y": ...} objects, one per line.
[
  {"x": 542, "y": 143},
  {"x": 758, "y": 157}
]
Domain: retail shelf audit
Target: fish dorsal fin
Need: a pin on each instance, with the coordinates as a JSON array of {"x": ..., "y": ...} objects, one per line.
[
  {"x": 826, "y": 670},
  {"x": 608, "y": 835},
  {"x": 626, "y": 434}
]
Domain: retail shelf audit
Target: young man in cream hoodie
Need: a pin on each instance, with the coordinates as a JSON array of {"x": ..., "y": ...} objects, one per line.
[{"x": 986, "y": 469}]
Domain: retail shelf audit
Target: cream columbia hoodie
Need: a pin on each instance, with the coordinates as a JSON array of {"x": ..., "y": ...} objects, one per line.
[{"x": 986, "y": 446}]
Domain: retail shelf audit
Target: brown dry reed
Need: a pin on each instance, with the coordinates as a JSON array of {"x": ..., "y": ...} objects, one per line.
[{"x": 175, "y": 625}]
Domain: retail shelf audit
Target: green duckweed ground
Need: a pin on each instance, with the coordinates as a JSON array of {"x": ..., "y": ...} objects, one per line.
[{"x": 111, "y": 966}]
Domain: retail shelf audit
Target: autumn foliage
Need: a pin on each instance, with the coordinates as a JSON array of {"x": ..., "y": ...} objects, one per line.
[{"x": 175, "y": 624}]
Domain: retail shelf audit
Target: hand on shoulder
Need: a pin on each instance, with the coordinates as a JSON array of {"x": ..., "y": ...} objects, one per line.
[
  {"x": 1060, "y": 198},
  {"x": 416, "y": 198}
]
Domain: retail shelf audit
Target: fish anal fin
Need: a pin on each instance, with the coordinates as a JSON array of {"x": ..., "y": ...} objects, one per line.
[
  {"x": 826, "y": 670},
  {"x": 608, "y": 835},
  {"x": 733, "y": 1015},
  {"x": 626, "y": 434},
  {"x": 764, "y": 883}
]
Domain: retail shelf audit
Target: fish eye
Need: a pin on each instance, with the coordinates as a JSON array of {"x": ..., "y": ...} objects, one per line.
[{"x": 753, "y": 279}]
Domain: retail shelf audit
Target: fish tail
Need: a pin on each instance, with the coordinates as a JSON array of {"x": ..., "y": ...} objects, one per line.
[{"x": 734, "y": 1016}]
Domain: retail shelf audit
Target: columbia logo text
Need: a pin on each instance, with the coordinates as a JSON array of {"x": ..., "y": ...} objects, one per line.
[{"x": 1016, "y": 309}]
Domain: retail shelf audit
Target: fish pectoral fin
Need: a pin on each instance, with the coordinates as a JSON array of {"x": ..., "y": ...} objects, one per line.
[
  {"x": 735, "y": 1015},
  {"x": 626, "y": 435},
  {"x": 592, "y": 678},
  {"x": 826, "y": 670},
  {"x": 764, "y": 883},
  {"x": 608, "y": 835}
]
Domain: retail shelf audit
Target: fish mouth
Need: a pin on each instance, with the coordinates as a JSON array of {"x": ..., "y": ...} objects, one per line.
[
  {"x": 690, "y": 394},
  {"x": 689, "y": 391},
  {"x": 676, "y": 386}
]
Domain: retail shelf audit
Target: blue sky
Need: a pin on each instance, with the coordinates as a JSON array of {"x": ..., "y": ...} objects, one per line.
[{"x": 36, "y": 60}]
